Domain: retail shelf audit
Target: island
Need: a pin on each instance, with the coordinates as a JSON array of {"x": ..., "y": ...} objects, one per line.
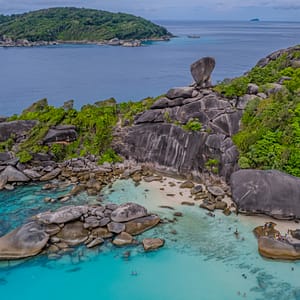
[
  {"x": 77, "y": 25},
  {"x": 255, "y": 20}
]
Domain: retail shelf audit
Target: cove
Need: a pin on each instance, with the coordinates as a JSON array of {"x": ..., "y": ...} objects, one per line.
[{"x": 204, "y": 260}]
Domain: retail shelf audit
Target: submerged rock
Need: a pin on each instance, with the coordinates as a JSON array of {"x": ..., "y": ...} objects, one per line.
[{"x": 152, "y": 244}]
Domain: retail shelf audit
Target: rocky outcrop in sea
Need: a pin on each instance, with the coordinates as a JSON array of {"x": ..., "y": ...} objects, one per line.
[{"x": 53, "y": 232}]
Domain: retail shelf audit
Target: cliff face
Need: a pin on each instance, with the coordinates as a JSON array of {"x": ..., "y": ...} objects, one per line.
[{"x": 161, "y": 136}]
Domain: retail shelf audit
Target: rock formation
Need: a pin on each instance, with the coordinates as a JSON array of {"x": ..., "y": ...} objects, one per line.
[
  {"x": 267, "y": 192},
  {"x": 18, "y": 129},
  {"x": 72, "y": 225},
  {"x": 159, "y": 135},
  {"x": 201, "y": 71}
]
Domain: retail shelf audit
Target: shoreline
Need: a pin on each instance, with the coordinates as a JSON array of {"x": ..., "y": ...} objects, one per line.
[
  {"x": 112, "y": 42},
  {"x": 184, "y": 195}
]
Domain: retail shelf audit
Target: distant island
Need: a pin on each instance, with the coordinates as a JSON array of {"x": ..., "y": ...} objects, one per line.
[
  {"x": 255, "y": 20},
  {"x": 77, "y": 25}
]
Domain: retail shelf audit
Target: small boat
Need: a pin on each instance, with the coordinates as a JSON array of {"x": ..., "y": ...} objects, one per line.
[{"x": 193, "y": 36}]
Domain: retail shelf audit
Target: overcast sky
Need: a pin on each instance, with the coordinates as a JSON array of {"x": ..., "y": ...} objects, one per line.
[{"x": 281, "y": 10}]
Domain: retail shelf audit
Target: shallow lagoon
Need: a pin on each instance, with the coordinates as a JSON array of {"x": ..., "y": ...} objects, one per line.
[{"x": 204, "y": 260}]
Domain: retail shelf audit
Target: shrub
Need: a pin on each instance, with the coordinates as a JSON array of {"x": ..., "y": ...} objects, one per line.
[
  {"x": 192, "y": 125},
  {"x": 24, "y": 156}
]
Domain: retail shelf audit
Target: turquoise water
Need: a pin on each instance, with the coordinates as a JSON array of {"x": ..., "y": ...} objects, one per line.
[{"x": 204, "y": 260}]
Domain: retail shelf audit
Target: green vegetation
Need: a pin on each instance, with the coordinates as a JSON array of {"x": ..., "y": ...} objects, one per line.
[
  {"x": 24, "y": 156},
  {"x": 212, "y": 165},
  {"x": 272, "y": 72},
  {"x": 128, "y": 110},
  {"x": 270, "y": 133},
  {"x": 94, "y": 125},
  {"x": 77, "y": 24},
  {"x": 192, "y": 125}
]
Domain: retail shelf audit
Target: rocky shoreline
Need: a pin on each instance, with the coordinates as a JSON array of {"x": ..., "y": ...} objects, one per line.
[
  {"x": 70, "y": 226},
  {"x": 7, "y": 42}
]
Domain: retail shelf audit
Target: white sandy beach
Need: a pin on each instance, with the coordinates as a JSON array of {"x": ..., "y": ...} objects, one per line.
[{"x": 173, "y": 195}]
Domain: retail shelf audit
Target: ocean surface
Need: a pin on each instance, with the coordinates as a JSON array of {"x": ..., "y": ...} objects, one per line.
[
  {"x": 88, "y": 73},
  {"x": 204, "y": 260}
]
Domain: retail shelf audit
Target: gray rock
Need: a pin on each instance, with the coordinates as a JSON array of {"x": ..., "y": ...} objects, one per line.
[
  {"x": 180, "y": 92},
  {"x": 116, "y": 227},
  {"x": 244, "y": 100},
  {"x": 51, "y": 175},
  {"x": 152, "y": 244},
  {"x": 197, "y": 189},
  {"x": 104, "y": 221},
  {"x": 73, "y": 233},
  {"x": 201, "y": 71},
  {"x": 26, "y": 241},
  {"x": 4, "y": 156},
  {"x": 252, "y": 89},
  {"x": 32, "y": 174},
  {"x": 61, "y": 133},
  {"x": 17, "y": 128},
  {"x": 95, "y": 242},
  {"x": 128, "y": 211},
  {"x": 68, "y": 105},
  {"x": 269, "y": 192},
  {"x": 262, "y": 95},
  {"x": 123, "y": 239},
  {"x": 273, "y": 88},
  {"x": 151, "y": 116},
  {"x": 91, "y": 222},
  {"x": 140, "y": 225},
  {"x": 62, "y": 215},
  {"x": 14, "y": 175},
  {"x": 3, "y": 181},
  {"x": 215, "y": 190}
]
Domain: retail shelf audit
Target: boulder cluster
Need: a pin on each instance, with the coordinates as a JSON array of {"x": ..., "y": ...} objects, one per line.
[
  {"x": 56, "y": 232},
  {"x": 272, "y": 244},
  {"x": 162, "y": 135}
]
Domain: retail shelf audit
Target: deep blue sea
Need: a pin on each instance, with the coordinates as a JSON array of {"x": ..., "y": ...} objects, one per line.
[{"x": 91, "y": 73}]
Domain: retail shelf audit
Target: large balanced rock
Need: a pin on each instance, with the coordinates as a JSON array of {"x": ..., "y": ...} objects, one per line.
[
  {"x": 17, "y": 128},
  {"x": 278, "y": 249},
  {"x": 25, "y": 241},
  {"x": 201, "y": 71},
  {"x": 14, "y": 175},
  {"x": 62, "y": 215},
  {"x": 269, "y": 192},
  {"x": 128, "y": 211}
]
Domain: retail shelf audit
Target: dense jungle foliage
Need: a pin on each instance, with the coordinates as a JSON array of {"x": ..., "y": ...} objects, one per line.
[
  {"x": 270, "y": 133},
  {"x": 77, "y": 24}
]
